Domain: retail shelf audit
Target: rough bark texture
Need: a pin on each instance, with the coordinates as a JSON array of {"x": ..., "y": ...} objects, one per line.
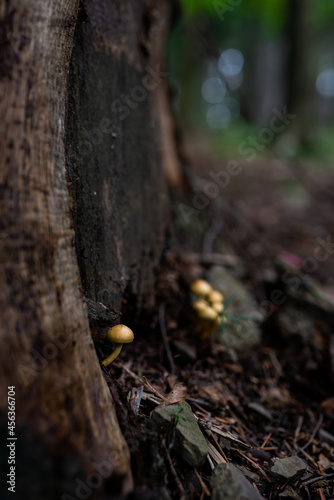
[
  {"x": 114, "y": 149},
  {"x": 46, "y": 348}
]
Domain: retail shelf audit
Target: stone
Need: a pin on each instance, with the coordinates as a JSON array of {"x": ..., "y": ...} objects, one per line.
[
  {"x": 288, "y": 468},
  {"x": 240, "y": 332},
  {"x": 289, "y": 493},
  {"x": 188, "y": 440},
  {"x": 228, "y": 483}
]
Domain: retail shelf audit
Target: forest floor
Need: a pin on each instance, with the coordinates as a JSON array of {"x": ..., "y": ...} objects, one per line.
[{"x": 270, "y": 400}]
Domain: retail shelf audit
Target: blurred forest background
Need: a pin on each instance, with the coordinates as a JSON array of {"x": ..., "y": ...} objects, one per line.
[
  {"x": 235, "y": 66},
  {"x": 232, "y": 62}
]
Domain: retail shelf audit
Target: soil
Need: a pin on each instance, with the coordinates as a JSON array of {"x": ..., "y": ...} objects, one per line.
[{"x": 271, "y": 400}]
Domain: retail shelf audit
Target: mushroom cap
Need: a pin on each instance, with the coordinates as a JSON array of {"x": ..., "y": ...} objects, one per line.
[
  {"x": 217, "y": 306},
  {"x": 201, "y": 288},
  {"x": 120, "y": 334},
  {"x": 200, "y": 304},
  {"x": 207, "y": 313},
  {"x": 215, "y": 296}
]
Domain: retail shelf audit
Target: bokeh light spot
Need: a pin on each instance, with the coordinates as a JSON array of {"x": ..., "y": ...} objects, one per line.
[
  {"x": 218, "y": 116},
  {"x": 213, "y": 90},
  {"x": 231, "y": 62},
  {"x": 325, "y": 83}
]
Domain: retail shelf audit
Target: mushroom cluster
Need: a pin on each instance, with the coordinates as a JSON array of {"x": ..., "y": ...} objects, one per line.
[{"x": 208, "y": 305}]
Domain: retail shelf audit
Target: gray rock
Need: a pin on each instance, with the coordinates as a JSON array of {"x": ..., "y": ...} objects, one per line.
[
  {"x": 240, "y": 333},
  {"x": 288, "y": 468},
  {"x": 188, "y": 441},
  {"x": 289, "y": 493},
  {"x": 228, "y": 483}
]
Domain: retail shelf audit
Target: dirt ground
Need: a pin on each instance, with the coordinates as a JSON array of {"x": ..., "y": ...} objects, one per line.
[{"x": 271, "y": 227}]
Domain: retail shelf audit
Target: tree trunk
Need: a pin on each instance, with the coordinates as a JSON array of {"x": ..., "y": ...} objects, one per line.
[
  {"x": 63, "y": 404},
  {"x": 114, "y": 151},
  {"x": 298, "y": 84}
]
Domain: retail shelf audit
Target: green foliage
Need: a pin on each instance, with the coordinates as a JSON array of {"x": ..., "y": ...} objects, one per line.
[
  {"x": 232, "y": 317},
  {"x": 270, "y": 13},
  {"x": 194, "y": 7},
  {"x": 177, "y": 417},
  {"x": 321, "y": 13}
]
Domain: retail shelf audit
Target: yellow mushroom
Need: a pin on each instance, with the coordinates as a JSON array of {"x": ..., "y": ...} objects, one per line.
[
  {"x": 119, "y": 334},
  {"x": 207, "y": 313},
  {"x": 201, "y": 288},
  {"x": 217, "y": 306},
  {"x": 215, "y": 296},
  {"x": 199, "y": 305}
]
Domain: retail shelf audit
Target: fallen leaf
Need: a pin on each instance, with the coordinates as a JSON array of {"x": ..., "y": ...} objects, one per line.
[
  {"x": 328, "y": 406},
  {"x": 177, "y": 395}
]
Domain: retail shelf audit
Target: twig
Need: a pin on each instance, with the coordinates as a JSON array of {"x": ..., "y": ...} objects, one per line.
[
  {"x": 214, "y": 453},
  {"x": 203, "y": 485},
  {"x": 214, "y": 258},
  {"x": 265, "y": 441},
  {"x": 317, "y": 427},
  {"x": 130, "y": 372},
  {"x": 255, "y": 465},
  {"x": 226, "y": 434},
  {"x": 221, "y": 451},
  {"x": 316, "y": 479},
  {"x": 164, "y": 337},
  {"x": 179, "y": 485},
  {"x": 297, "y": 431},
  {"x": 154, "y": 390},
  {"x": 309, "y": 458},
  {"x": 142, "y": 380}
]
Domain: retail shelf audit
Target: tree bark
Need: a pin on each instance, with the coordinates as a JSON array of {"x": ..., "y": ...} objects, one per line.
[
  {"x": 115, "y": 148},
  {"x": 119, "y": 213}
]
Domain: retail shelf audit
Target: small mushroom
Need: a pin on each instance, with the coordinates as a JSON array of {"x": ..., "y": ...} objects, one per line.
[
  {"x": 201, "y": 288},
  {"x": 119, "y": 334},
  {"x": 215, "y": 296},
  {"x": 199, "y": 305},
  {"x": 217, "y": 306},
  {"x": 207, "y": 313}
]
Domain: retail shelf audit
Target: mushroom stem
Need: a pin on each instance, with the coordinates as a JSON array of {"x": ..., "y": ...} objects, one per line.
[{"x": 113, "y": 355}]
